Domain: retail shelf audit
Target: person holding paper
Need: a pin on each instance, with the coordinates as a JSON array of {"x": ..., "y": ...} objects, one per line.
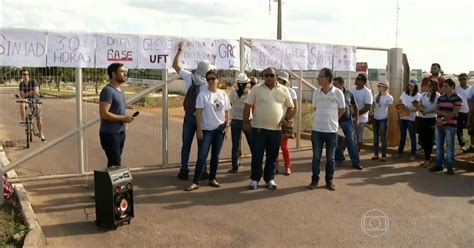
[
  {"x": 113, "y": 116},
  {"x": 269, "y": 99},
  {"x": 407, "y": 112},
  {"x": 195, "y": 82},
  {"x": 29, "y": 88}
]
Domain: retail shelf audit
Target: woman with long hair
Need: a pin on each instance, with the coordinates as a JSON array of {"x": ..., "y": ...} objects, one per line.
[
  {"x": 382, "y": 101},
  {"x": 409, "y": 102},
  {"x": 428, "y": 119}
]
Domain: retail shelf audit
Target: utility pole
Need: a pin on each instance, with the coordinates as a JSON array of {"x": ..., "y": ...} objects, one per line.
[{"x": 279, "y": 21}]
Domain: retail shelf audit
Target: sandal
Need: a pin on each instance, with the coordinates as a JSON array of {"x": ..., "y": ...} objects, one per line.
[
  {"x": 192, "y": 187},
  {"x": 214, "y": 183}
]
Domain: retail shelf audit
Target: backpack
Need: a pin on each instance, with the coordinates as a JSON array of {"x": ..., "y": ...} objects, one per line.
[
  {"x": 7, "y": 189},
  {"x": 189, "y": 103}
]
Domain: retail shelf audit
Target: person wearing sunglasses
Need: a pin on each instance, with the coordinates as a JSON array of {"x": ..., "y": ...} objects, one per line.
[
  {"x": 29, "y": 88},
  {"x": 269, "y": 99},
  {"x": 237, "y": 101},
  {"x": 212, "y": 120}
]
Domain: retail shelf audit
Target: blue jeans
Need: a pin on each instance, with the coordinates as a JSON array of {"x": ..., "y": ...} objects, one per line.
[
  {"x": 348, "y": 129},
  {"x": 236, "y": 129},
  {"x": 189, "y": 129},
  {"x": 380, "y": 132},
  {"x": 318, "y": 139},
  {"x": 404, "y": 125},
  {"x": 212, "y": 140},
  {"x": 112, "y": 144},
  {"x": 264, "y": 141},
  {"x": 445, "y": 133}
]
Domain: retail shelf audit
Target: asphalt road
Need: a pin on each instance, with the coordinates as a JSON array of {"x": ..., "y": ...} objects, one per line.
[{"x": 403, "y": 203}]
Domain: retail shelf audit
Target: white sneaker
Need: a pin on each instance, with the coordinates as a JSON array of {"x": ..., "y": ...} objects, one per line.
[
  {"x": 271, "y": 184},
  {"x": 253, "y": 184}
]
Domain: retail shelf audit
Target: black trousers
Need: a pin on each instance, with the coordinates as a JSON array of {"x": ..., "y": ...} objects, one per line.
[
  {"x": 112, "y": 143},
  {"x": 427, "y": 134}
]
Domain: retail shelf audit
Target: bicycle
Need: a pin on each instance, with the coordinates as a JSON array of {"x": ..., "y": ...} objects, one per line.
[{"x": 32, "y": 110}]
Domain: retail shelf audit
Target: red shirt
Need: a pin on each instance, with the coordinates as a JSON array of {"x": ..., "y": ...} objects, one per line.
[{"x": 426, "y": 80}]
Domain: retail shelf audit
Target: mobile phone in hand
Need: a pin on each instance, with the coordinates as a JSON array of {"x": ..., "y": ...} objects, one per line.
[{"x": 135, "y": 114}]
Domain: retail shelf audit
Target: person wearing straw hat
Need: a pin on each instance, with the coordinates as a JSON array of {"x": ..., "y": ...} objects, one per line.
[{"x": 382, "y": 102}]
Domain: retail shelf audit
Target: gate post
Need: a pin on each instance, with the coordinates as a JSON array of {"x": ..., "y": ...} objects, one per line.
[{"x": 395, "y": 75}]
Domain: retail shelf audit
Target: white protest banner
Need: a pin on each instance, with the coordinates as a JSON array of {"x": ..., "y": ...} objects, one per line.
[
  {"x": 22, "y": 47},
  {"x": 266, "y": 53},
  {"x": 345, "y": 58},
  {"x": 196, "y": 50},
  {"x": 71, "y": 50},
  {"x": 320, "y": 56},
  {"x": 295, "y": 56},
  {"x": 228, "y": 54},
  {"x": 121, "y": 48},
  {"x": 156, "y": 52}
]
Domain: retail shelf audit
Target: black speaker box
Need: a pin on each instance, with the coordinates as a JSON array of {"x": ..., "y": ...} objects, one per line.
[{"x": 113, "y": 196}]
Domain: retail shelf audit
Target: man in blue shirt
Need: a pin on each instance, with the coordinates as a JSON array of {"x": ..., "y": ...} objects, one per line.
[
  {"x": 112, "y": 115},
  {"x": 29, "y": 88}
]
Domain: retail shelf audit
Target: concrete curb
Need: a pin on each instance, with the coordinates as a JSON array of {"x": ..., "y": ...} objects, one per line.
[{"x": 35, "y": 236}]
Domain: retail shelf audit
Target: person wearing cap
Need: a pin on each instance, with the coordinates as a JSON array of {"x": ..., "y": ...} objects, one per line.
[
  {"x": 409, "y": 101},
  {"x": 270, "y": 98},
  {"x": 382, "y": 101},
  {"x": 428, "y": 119},
  {"x": 195, "y": 82},
  {"x": 364, "y": 99},
  {"x": 283, "y": 79},
  {"x": 447, "y": 109},
  {"x": 237, "y": 100},
  {"x": 346, "y": 123},
  {"x": 464, "y": 91}
]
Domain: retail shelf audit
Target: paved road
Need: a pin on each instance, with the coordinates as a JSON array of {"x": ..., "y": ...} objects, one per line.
[
  {"x": 423, "y": 209},
  {"x": 142, "y": 147}
]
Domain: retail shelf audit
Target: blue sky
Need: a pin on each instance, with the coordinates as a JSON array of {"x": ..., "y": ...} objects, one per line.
[{"x": 429, "y": 31}]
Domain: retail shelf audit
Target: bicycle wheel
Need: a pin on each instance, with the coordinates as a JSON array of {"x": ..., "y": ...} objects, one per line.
[{"x": 28, "y": 132}]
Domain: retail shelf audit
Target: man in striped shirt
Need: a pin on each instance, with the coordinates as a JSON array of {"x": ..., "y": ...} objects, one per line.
[
  {"x": 329, "y": 106},
  {"x": 447, "y": 109}
]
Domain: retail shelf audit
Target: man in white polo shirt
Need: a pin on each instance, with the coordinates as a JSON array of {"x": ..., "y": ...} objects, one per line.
[
  {"x": 329, "y": 106},
  {"x": 268, "y": 100}
]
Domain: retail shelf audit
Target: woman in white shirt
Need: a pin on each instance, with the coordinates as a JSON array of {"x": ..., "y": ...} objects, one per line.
[
  {"x": 382, "y": 101},
  {"x": 212, "y": 121},
  {"x": 428, "y": 119},
  {"x": 237, "y": 100},
  {"x": 410, "y": 99}
]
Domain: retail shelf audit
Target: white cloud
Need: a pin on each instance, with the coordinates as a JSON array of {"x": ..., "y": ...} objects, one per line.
[{"x": 429, "y": 31}]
